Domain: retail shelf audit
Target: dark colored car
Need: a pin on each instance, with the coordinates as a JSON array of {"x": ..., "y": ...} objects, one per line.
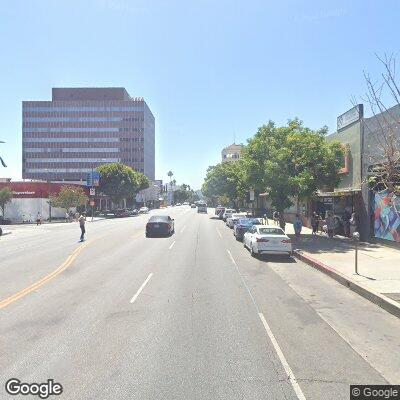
[
  {"x": 121, "y": 213},
  {"x": 160, "y": 225},
  {"x": 243, "y": 225},
  {"x": 5, "y": 221},
  {"x": 202, "y": 208}
]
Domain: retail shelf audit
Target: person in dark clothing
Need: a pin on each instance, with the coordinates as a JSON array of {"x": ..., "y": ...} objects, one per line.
[
  {"x": 82, "y": 220},
  {"x": 346, "y": 223},
  {"x": 314, "y": 223}
]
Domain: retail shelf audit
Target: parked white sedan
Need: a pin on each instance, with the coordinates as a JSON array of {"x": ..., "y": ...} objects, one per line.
[
  {"x": 231, "y": 221},
  {"x": 227, "y": 213},
  {"x": 267, "y": 239}
]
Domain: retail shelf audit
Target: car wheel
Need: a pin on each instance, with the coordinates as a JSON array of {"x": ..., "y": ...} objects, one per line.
[{"x": 252, "y": 252}]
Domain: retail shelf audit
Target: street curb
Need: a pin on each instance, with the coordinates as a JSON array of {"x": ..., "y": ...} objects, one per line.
[
  {"x": 377, "y": 298},
  {"x": 5, "y": 233}
]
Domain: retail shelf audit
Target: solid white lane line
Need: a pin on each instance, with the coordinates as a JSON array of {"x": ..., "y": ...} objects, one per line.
[
  {"x": 288, "y": 370},
  {"x": 219, "y": 233},
  {"x": 231, "y": 257},
  {"x": 183, "y": 229},
  {"x": 141, "y": 288},
  {"x": 172, "y": 245}
]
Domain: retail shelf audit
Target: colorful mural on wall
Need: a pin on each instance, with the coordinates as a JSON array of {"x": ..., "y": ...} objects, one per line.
[{"x": 386, "y": 211}]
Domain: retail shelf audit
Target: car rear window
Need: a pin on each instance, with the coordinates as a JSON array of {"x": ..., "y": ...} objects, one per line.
[
  {"x": 271, "y": 231},
  {"x": 245, "y": 221},
  {"x": 158, "y": 218}
]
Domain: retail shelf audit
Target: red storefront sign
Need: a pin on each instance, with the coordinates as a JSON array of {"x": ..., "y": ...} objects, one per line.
[{"x": 35, "y": 190}]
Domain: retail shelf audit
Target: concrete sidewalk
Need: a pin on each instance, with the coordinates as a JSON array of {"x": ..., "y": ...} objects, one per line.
[{"x": 378, "y": 265}]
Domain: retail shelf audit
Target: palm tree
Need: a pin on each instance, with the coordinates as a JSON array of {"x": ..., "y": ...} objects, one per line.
[{"x": 1, "y": 160}]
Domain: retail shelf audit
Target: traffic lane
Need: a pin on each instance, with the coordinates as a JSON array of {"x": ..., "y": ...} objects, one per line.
[
  {"x": 73, "y": 315},
  {"x": 200, "y": 336},
  {"x": 180, "y": 337},
  {"x": 324, "y": 364},
  {"x": 22, "y": 264}
]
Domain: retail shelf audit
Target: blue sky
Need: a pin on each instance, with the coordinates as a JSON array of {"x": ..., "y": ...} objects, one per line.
[{"x": 209, "y": 70}]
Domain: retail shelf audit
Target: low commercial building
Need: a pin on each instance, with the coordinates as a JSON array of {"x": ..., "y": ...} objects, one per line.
[
  {"x": 377, "y": 208},
  {"x": 31, "y": 198}
]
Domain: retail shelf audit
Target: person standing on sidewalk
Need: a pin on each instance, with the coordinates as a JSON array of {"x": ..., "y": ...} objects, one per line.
[
  {"x": 297, "y": 226},
  {"x": 38, "y": 219},
  {"x": 346, "y": 222},
  {"x": 330, "y": 224},
  {"x": 275, "y": 216},
  {"x": 82, "y": 220},
  {"x": 314, "y": 223},
  {"x": 353, "y": 224}
]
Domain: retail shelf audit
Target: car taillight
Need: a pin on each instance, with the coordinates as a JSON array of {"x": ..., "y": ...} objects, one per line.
[
  {"x": 286, "y": 241},
  {"x": 262, "y": 240}
]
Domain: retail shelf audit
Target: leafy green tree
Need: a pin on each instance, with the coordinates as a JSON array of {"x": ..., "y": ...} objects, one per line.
[
  {"x": 119, "y": 181},
  {"x": 291, "y": 162},
  {"x": 180, "y": 195},
  {"x": 225, "y": 181},
  {"x": 5, "y": 197},
  {"x": 69, "y": 197},
  {"x": 184, "y": 193}
]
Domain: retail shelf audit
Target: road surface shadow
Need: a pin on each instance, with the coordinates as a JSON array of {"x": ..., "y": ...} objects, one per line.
[
  {"x": 277, "y": 259},
  {"x": 316, "y": 244}
]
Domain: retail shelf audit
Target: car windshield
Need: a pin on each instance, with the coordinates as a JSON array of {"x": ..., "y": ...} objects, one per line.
[
  {"x": 245, "y": 221},
  {"x": 271, "y": 231}
]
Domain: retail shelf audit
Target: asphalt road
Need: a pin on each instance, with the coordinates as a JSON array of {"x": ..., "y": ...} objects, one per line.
[{"x": 191, "y": 316}]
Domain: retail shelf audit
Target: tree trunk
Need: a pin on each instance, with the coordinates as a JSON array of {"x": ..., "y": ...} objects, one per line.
[{"x": 282, "y": 222}]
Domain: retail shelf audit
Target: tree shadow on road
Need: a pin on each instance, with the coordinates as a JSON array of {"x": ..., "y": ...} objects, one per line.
[{"x": 315, "y": 244}]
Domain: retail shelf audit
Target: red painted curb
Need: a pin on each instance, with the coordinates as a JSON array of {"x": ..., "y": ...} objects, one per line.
[{"x": 377, "y": 298}]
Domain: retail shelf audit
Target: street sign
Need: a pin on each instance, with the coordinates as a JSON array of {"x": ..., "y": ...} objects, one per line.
[
  {"x": 93, "y": 178},
  {"x": 251, "y": 195},
  {"x": 92, "y": 191}
]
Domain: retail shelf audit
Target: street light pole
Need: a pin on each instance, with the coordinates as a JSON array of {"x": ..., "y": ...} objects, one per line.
[
  {"x": 356, "y": 237},
  {"x": 92, "y": 197},
  {"x": 92, "y": 202},
  {"x": 49, "y": 190}
]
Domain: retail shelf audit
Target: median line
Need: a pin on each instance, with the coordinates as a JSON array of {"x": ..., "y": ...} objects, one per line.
[
  {"x": 22, "y": 293},
  {"x": 219, "y": 233},
  {"x": 183, "y": 229},
  {"x": 171, "y": 245},
  {"x": 133, "y": 299}
]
